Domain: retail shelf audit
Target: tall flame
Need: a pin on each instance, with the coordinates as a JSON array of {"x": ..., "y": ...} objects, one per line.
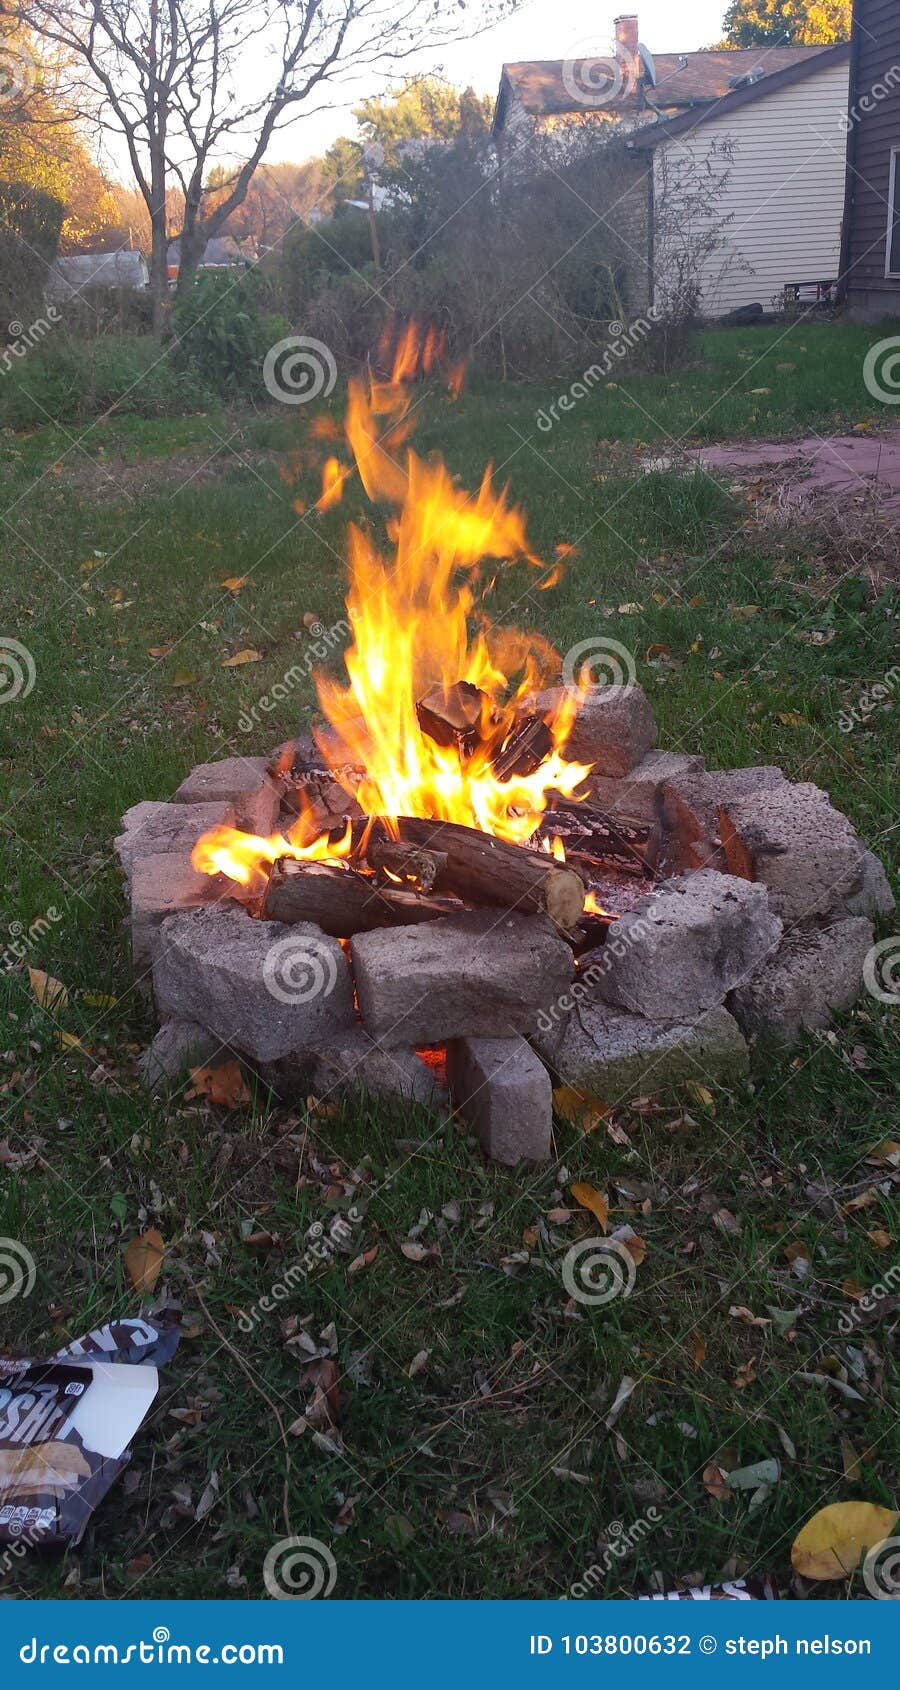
[{"x": 417, "y": 631}]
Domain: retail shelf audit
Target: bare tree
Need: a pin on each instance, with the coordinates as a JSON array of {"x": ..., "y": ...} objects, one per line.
[{"x": 192, "y": 83}]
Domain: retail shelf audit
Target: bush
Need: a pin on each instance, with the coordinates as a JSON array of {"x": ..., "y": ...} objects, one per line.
[
  {"x": 223, "y": 332},
  {"x": 69, "y": 380},
  {"x": 30, "y": 222}
]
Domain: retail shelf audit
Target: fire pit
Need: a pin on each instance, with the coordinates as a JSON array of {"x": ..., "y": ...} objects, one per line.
[{"x": 471, "y": 878}]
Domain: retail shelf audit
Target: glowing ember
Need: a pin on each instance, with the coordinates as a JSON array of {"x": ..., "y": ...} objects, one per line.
[{"x": 418, "y": 630}]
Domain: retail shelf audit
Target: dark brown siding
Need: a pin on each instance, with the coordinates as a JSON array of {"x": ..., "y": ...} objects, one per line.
[{"x": 875, "y": 80}]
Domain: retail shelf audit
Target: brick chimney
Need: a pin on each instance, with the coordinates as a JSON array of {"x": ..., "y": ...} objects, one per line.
[{"x": 627, "y": 34}]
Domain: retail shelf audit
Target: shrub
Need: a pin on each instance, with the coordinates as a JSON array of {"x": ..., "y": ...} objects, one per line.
[
  {"x": 223, "y": 332},
  {"x": 68, "y": 380},
  {"x": 30, "y": 222}
]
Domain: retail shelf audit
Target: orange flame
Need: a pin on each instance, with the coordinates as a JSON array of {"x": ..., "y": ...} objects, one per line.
[{"x": 417, "y": 628}]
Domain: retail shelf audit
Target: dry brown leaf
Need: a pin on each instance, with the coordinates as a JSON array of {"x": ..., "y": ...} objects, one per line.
[
  {"x": 144, "y": 1260},
  {"x": 882, "y": 1240},
  {"x": 225, "y": 1086},
  {"x": 248, "y": 655},
  {"x": 714, "y": 1482},
  {"x": 852, "y": 1462},
  {"x": 739, "y": 1312},
  {"x": 744, "y": 1376},
  {"x": 416, "y": 1252},
  {"x": 636, "y": 1247},
  {"x": 234, "y": 583},
  {"x": 49, "y": 993},
  {"x": 830, "y": 1544},
  {"x": 698, "y": 1350},
  {"x": 886, "y": 1154},
  {"x": 590, "y": 1198},
  {"x": 362, "y": 1261},
  {"x": 419, "y": 1361},
  {"x": 581, "y": 1108},
  {"x": 863, "y": 1201}
]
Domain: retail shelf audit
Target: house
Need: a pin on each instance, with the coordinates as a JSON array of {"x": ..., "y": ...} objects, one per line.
[
  {"x": 123, "y": 269},
  {"x": 221, "y": 252},
  {"x": 772, "y": 155},
  {"x": 623, "y": 90},
  {"x": 870, "y": 257}
]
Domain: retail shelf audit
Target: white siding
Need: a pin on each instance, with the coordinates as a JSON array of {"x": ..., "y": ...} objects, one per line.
[{"x": 784, "y": 192}]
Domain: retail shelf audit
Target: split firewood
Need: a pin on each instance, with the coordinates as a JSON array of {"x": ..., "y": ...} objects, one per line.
[
  {"x": 453, "y": 716},
  {"x": 482, "y": 870},
  {"x": 343, "y": 902},
  {"x": 524, "y": 750},
  {"x": 597, "y": 837}
]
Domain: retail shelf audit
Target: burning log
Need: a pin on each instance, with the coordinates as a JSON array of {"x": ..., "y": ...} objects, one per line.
[
  {"x": 524, "y": 750},
  {"x": 416, "y": 868},
  {"x": 343, "y": 903},
  {"x": 591, "y": 836},
  {"x": 480, "y": 869},
  {"x": 453, "y": 715}
]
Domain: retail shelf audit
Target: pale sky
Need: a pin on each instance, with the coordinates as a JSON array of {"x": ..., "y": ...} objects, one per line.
[{"x": 542, "y": 29}]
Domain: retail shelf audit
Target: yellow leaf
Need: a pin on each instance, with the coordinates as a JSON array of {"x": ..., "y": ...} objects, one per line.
[
  {"x": 700, "y": 1094},
  {"x": 144, "y": 1260},
  {"x": 791, "y": 719},
  {"x": 99, "y": 1000},
  {"x": 234, "y": 583},
  {"x": 590, "y": 1198},
  {"x": 580, "y": 1107},
  {"x": 184, "y": 678},
  {"x": 886, "y": 1153},
  {"x": 248, "y": 655},
  {"x": 699, "y": 1350},
  {"x": 882, "y": 1240},
  {"x": 831, "y": 1543},
  {"x": 69, "y": 1041},
  {"x": 50, "y": 993},
  {"x": 851, "y": 1461},
  {"x": 743, "y": 612}
]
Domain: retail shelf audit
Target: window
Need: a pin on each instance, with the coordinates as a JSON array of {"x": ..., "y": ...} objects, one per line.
[{"x": 892, "y": 256}]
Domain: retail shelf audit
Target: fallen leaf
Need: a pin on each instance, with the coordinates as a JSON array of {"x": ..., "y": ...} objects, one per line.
[
  {"x": 744, "y": 1376},
  {"x": 416, "y": 1252},
  {"x": 248, "y": 655},
  {"x": 362, "y": 1261},
  {"x": 714, "y": 1482},
  {"x": 144, "y": 1260},
  {"x": 882, "y": 1240},
  {"x": 700, "y": 1094},
  {"x": 791, "y": 719},
  {"x": 49, "y": 993},
  {"x": 225, "y": 1085},
  {"x": 590, "y": 1198},
  {"x": 886, "y": 1154},
  {"x": 419, "y": 1360},
  {"x": 829, "y": 1546},
  {"x": 739, "y": 1312},
  {"x": 310, "y": 619},
  {"x": 234, "y": 583},
  {"x": 626, "y": 1387},
  {"x": 581, "y": 1108},
  {"x": 99, "y": 1000},
  {"x": 71, "y": 1041},
  {"x": 699, "y": 1350},
  {"x": 863, "y": 1201},
  {"x": 184, "y": 678},
  {"x": 852, "y": 1463}
]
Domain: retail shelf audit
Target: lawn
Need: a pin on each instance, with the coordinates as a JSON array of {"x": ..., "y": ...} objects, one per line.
[{"x": 473, "y": 1456}]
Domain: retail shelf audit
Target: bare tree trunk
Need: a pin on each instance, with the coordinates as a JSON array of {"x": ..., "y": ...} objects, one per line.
[{"x": 159, "y": 247}]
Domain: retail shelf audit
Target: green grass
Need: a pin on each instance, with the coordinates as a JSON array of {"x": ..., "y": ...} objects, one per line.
[{"x": 457, "y": 1481}]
